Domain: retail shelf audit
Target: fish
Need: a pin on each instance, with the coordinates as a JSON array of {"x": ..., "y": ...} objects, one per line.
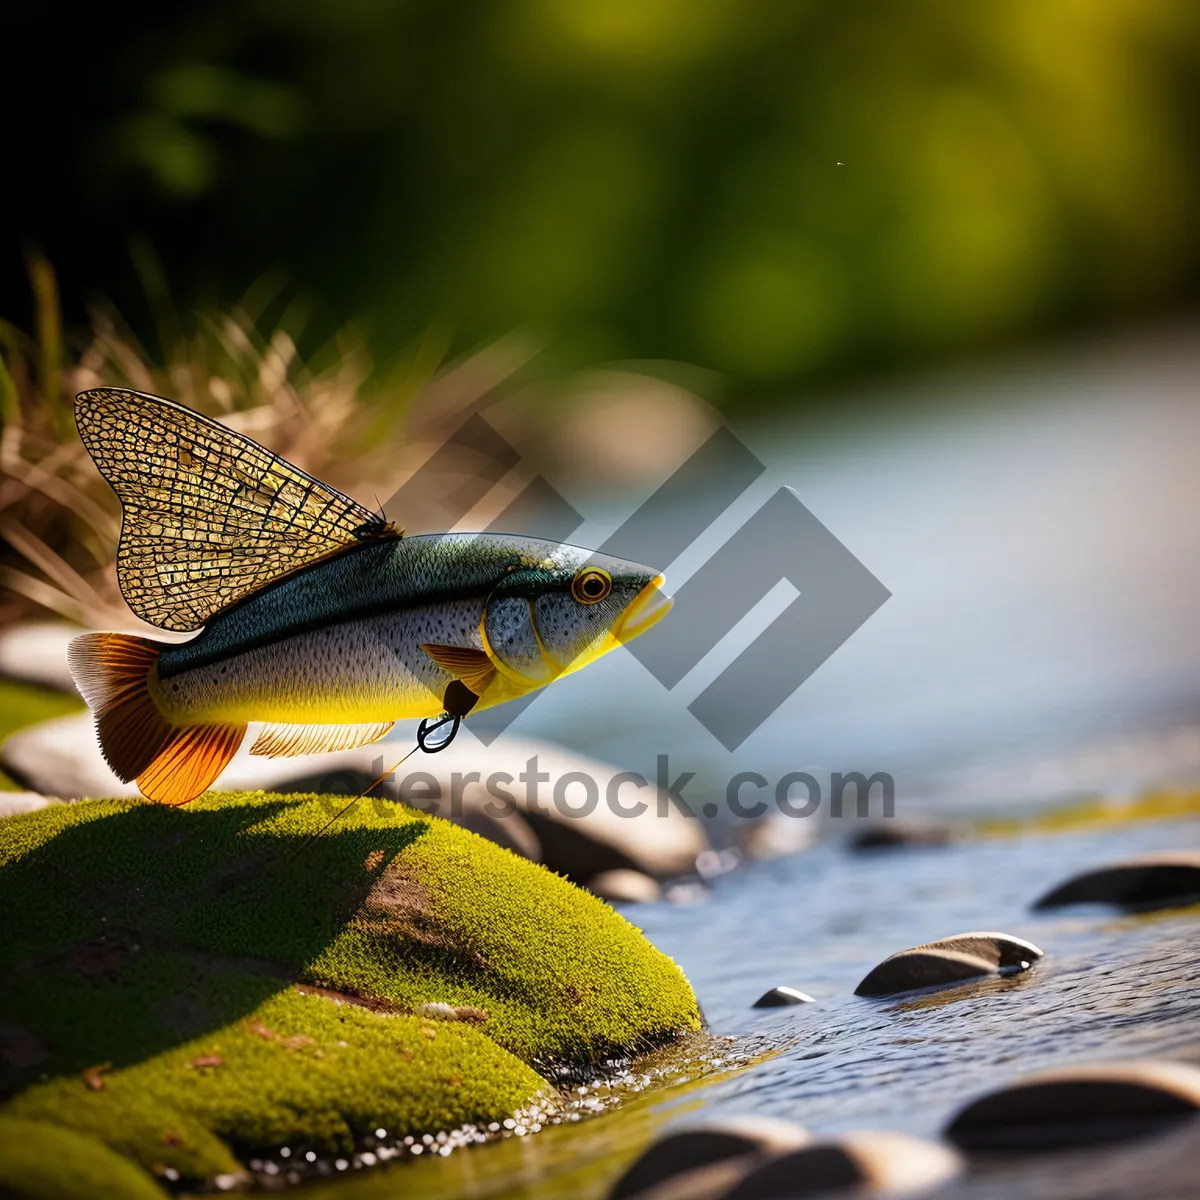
[{"x": 313, "y": 615}]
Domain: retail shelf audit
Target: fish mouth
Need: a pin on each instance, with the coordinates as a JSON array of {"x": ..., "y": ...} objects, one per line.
[{"x": 646, "y": 609}]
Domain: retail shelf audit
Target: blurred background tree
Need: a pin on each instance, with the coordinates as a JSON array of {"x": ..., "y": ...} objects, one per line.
[{"x": 783, "y": 192}]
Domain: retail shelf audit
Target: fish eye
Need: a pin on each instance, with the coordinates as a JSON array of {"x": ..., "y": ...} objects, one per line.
[{"x": 591, "y": 585}]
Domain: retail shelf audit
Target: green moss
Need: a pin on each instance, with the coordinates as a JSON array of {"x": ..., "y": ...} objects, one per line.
[
  {"x": 170, "y": 943},
  {"x": 299, "y": 1071},
  {"x": 141, "y": 1123},
  {"x": 24, "y": 704},
  {"x": 45, "y": 1162}
]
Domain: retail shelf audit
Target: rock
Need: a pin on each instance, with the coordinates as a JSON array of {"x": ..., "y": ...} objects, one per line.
[
  {"x": 948, "y": 961},
  {"x": 12, "y": 803},
  {"x": 1166, "y": 880},
  {"x": 894, "y": 834},
  {"x": 1078, "y": 1106},
  {"x": 1162, "y": 1166},
  {"x": 61, "y": 757},
  {"x": 1008, "y": 953},
  {"x": 892, "y": 1162},
  {"x": 711, "y": 864},
  {"x": 781, "y": 997},
  {"x": 909, "y": 970},
  {"x": 775, "y": 835},
  {"x": 36, "y": 652},
  {"x": 712, "y": 1182},
  {"x": 625, "y": 887},
  {"x": 686, "y": 893},
  {"x": 535, "y": 818},
  {"x": 298, "y": 987},
  {"x": 689, "y": 1149},
  {"x": 46, "y": 1162},
  {"x": 439, "y": 1010}
]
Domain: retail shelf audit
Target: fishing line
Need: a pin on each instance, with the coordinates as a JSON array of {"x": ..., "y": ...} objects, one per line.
[{"x": 424, "y": 730}]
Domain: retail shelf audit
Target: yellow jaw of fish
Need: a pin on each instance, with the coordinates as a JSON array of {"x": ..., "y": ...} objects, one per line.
[{"x": 645, "y": 610}]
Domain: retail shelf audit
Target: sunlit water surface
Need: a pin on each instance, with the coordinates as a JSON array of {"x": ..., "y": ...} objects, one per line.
[{"x": 1043, "y": 550}]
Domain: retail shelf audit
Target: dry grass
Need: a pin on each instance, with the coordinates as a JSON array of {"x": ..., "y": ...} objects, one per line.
[{"x": 334, "y": 415}]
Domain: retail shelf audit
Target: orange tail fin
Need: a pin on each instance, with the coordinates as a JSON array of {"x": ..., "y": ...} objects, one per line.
[{"x": 171, "y": 763}]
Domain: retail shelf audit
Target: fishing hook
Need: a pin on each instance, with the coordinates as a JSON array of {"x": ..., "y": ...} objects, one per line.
[{"x": 425, "y": 729}]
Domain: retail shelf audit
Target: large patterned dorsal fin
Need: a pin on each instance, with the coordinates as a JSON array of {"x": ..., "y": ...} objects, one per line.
[{"x": 209, "y": 515}]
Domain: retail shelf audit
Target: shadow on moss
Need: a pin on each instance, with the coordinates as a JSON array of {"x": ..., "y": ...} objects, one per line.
[
  {"x": 172, "y": 922},
  {"x": 153, "y": 992}
]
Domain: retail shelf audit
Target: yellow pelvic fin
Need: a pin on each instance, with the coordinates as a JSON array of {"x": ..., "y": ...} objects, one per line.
[
  {"x": 471, "y": 666},
  {"x": 286, "y": 741}
]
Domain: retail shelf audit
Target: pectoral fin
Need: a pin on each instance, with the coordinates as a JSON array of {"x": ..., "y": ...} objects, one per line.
[{"x": 472, "y": 667}]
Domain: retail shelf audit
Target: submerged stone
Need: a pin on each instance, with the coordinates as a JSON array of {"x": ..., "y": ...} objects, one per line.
[
  {"x": 1002, "y": 950},
  {"x": 895, "y": 834},
  {"x": 737, "y": 1142},
  {"x": 948, "y": 961},
  {"x": 888, "y": 1162},
  {"x": 912, "y": 969},
  {"x": 1078, "y": 1106},
  {"x": 1167, "y": 880},
  {"x": 781, "y": 997}
]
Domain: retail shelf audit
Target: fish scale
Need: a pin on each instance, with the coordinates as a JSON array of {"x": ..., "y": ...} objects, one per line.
[{"x": 360, "y": 670}]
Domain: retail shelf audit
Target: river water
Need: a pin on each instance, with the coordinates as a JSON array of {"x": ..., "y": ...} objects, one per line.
[
  {"x": 1108, "y": 987},
  {"x": 1038, "y": 529}
]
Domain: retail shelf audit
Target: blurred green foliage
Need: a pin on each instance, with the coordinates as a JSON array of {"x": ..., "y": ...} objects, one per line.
[{"x": 780, "y": 191}]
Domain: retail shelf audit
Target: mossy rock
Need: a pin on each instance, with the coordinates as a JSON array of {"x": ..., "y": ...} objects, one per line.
[
  {"x": 194, "y": 986},
  {"x": 46, "y": 1162}
]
